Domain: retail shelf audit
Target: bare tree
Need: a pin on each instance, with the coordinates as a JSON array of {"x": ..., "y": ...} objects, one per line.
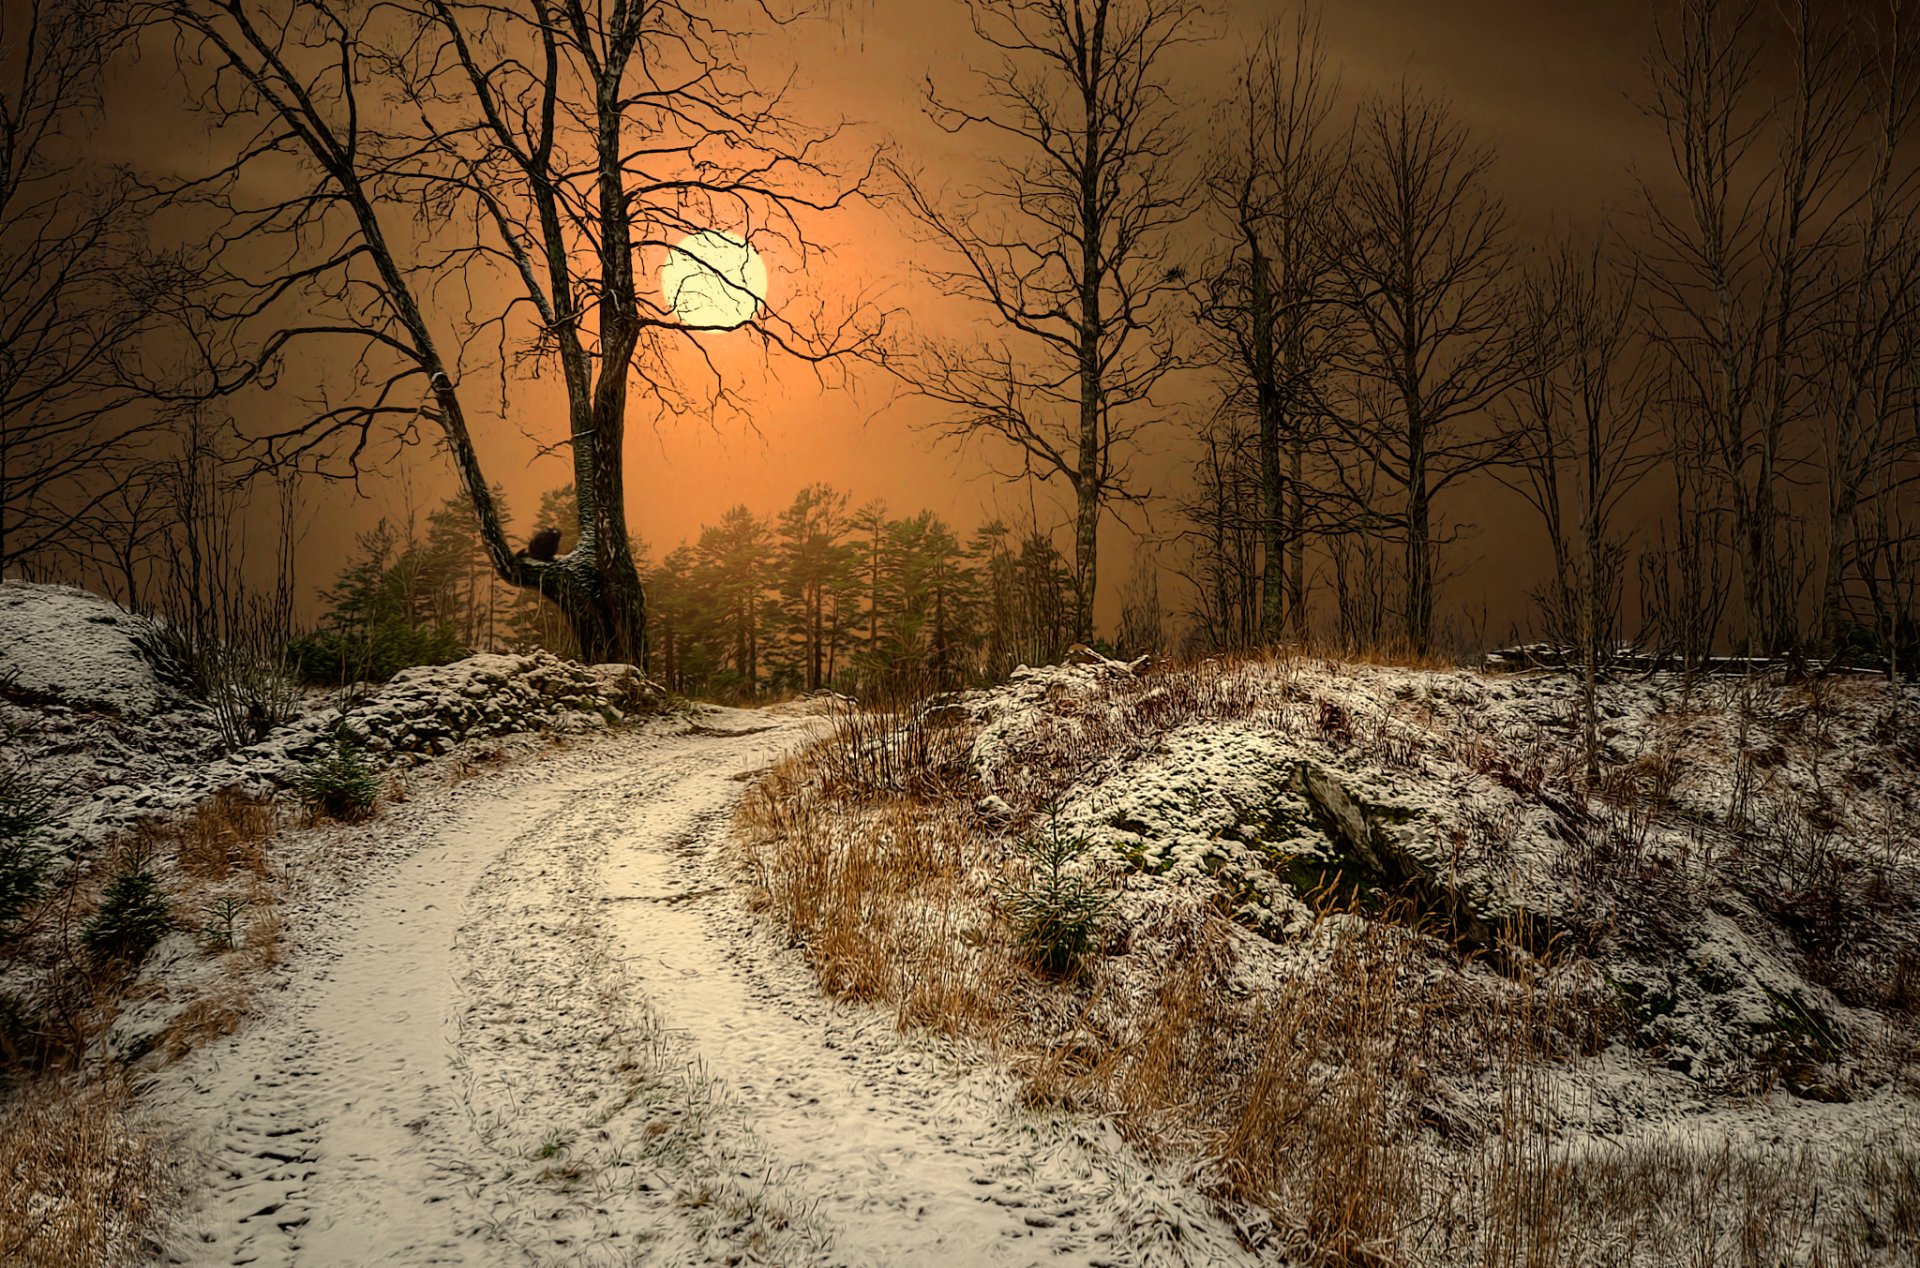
[
  {"x": 1582, "y": 415},
  {"x": 226, "y": 636},
  {"x": 1686, "y": 580},
  {"x": 1742, "y": 258},
  {"x": 1364, "y": 576},
  {"x": 1273, "y": 302},
  {"x": 482, "y": 186},
  {"x": 1143, "y": 619},
  {"x": 1225, "y": 517},
  {"x": 1864, "y": 342},
  {"x": 1423, "y": 255},
  {"x": 66, "y": 270},
  {"x": 1065, "y": 246},
  {"x": 126, "y": 532}
]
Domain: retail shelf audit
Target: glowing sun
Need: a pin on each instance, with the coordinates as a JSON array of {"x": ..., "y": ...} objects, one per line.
[{"x": 713, "y": 279}]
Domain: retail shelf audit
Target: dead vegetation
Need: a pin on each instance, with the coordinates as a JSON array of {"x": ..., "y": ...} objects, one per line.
[
  {"x": 1372, "y": 1090},
  {"x": 79, "y": 1184}
]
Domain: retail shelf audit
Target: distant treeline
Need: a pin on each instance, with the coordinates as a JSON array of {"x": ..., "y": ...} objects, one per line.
[{"x": 819, "y": 594}]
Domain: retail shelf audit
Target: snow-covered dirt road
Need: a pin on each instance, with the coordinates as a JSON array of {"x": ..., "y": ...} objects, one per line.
[{"x": 536, "y": 1026}]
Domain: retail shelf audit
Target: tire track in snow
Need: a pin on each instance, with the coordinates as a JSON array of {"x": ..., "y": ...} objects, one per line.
[{"x": 550, "y": 1034}]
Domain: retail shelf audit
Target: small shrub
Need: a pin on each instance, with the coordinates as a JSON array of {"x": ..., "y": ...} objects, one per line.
[
  {"x": 24, "y": 812},
  {"x": 335, "y": 658},
  {"x": 341, "y": 785},
  {"x": 221, "y": 915},
  {"x": 1057, "y": 910},
  {"x": 132, "y": 918}
]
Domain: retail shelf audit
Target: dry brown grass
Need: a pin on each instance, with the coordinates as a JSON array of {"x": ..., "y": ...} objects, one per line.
[
  {"x": 466, "y": 765},
  {"x": 877, "y": 892},
  {"x": 228, "y": 831},
  {"x": 79, "y": 1184},
  {"x": 1320, "y": 1132},
  {"x": 262, "y": 939},
  {"x": 1755, "y": 1206},
  {"x": 210, "y": 1017},
  {"x": 1321, "y": 1095}
]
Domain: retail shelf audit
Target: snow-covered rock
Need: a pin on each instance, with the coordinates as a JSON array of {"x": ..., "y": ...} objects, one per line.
[
  {"x": 83, "y": 705},
  {"x": 1266, "y": 787},
  {"x": 63, "y": 645},
  {"x": 424, "y": 712}
]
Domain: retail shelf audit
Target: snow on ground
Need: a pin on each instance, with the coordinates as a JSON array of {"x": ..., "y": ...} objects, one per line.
[
  {"x": 59, "y": 643},
  {"x": 531, "y": 1020},
  {"x": 1749, "y": 870},
  {"x": 525, "y": 1015},
  {"x": 1382, "y": 966},
  {"x": 85, "y": 709}
]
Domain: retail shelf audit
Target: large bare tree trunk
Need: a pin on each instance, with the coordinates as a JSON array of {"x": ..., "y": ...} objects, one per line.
[{"x": 521, "y": 156}]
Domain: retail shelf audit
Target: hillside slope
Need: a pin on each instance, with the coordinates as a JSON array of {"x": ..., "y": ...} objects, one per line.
[{"x": 1374, "y": 959}]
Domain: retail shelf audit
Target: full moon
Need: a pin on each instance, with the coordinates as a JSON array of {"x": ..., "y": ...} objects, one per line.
[{"x": 713, "y": 279}]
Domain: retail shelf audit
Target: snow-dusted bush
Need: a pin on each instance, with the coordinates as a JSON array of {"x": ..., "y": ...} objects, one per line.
[
  {"x": 340, "y": 784},
  {"x": 132, "y": 918},
  {"x": 1058, "y": 909}
]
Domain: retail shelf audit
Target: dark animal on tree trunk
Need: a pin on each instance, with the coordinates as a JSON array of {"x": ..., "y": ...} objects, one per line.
[{"x": 543, "y": 547}]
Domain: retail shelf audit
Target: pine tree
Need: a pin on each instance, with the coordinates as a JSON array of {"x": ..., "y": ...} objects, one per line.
[
  {"x": 734, "y": 557},
  {"x": 814, "y": 562},
  {"x": 924, "y": 606},
  {"x": 382, "y": 616},
  {"x": 869, "y": 525},
  {"x": 466, "y": 594},
  {"x": 674, "y": 642}
]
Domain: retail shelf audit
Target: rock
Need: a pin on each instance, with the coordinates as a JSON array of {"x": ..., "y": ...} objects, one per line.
[
  {"x": 1081, "y": 654},
  {"x": 1393, "y": 855},
  {"x": 993, "y": 806},
  {"x": 67, "y": 647}
]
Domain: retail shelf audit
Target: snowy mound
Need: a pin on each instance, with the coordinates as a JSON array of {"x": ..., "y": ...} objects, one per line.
[
  {"x": 65, "y": 645},
  {"x": 114, "y": 742},
  {"x": 1741, "y": 880},
  {"x": 424, "y": 712}
]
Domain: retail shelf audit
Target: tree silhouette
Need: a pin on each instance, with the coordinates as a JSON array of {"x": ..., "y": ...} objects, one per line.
[
  {"x": 1065, "y": 246},
  {"x": 485, "y": 186}
]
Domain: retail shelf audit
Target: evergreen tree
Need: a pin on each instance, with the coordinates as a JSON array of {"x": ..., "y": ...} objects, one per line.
[
  {"x": 466, "y": 594},
  {"x": 675, "y": 645},
  {"x": 382, "y": 615},
  {"x": 733, "y": 570},
  {"x": 815, "y": 564},
  {"x": 927, "y": 629},
  {"x": 870, "y": 531}
]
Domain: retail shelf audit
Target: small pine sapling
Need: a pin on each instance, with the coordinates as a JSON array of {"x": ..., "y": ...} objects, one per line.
[
  {"x": 1058, "y": 910},
  {"x": 221, "y": 915},
  {"x": 342, "y": 785},
  {"x": 132, "y": 918}
]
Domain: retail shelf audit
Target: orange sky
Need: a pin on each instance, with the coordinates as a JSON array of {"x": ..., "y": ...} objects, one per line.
[{"x": 1546, "y": 82}]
